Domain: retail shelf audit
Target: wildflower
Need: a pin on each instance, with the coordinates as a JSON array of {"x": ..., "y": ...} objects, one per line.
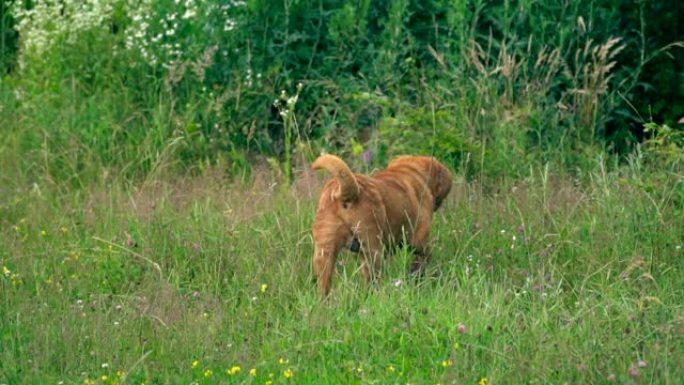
[
  {"x": 447, "y": 363},
  {"x": 633, "y": 371},
  {"x": 15, "y": 279},
  {"x": 253, "y": 372},
  {"x": 366, "y": 156},
  {"x": 291, "y": 101},
  {"x": 641, "y": 364},
  {"x": 461, "y": 329},
  {"x": 43, "y": 233},
  {"x": 283, "y": 361},
  {"x": 234, "y": 370},
  {"x": 264, "y": 287},
  {"x": 6, "y": 271},
  {"x": 104, "y": 378},
  {"x": 483, "y": 381},
  {"x": 88, "y": 381},
  {"x": 390, "y": 368},
  {"x": 208, "y": 373},
  {"x": 195, "y": 364},
  {"x": 288, "y": 373},
  {"x": 268, "y": 382}
]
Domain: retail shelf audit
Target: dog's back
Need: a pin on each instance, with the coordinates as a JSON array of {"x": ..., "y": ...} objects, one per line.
[{"x": 434, "y": 174}]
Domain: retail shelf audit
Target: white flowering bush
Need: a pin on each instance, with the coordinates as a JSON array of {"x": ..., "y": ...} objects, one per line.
[
  {"x": 170, "y": 31},
  {"x": 156, "y": 32},
  {"x": 51, "y": 24}
]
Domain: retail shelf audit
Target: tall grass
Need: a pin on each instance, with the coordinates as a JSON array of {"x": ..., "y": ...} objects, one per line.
[{"x": 179, "y": 281}]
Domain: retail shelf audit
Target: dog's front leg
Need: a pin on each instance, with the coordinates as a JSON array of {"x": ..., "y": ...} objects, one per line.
[
  {"x": 371, "y": 254},
  {"x": 419, "y": 243},
  {"x": 323, "y": 265}
]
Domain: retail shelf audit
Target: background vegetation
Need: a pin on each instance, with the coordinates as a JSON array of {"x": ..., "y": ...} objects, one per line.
[
  {"x": 155, "y": 199},
  {"x": 129, "y": 86}
]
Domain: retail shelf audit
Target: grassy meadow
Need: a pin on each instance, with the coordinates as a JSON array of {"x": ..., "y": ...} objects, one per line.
[
  {"x": 156, "y": 196},
  {"x": 204, "y": 280}
]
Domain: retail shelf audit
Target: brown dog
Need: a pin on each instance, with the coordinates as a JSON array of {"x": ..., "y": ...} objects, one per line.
[{"x": 369, "y": 213}]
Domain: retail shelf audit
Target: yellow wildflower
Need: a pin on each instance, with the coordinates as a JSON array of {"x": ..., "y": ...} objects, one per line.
[
  {"x": 208, "y": 373},
  {"x": 264, "y": 287},
  {"x": 6, "y": 271},
  {"x": 195, "y": 364},
  {"x": 447, "y": 363},
  {"x": 268, "y": 382},
  {"x": 88, "y": 381},
  {"x": 288, "y": 373},
  {"x": 104, "y": 377},
  {"x": 483, "y": 381},
  {"x": 390, "y": 368},
  {"x": 15, "y": 279},
  {"x": 283, "y": 361},
  {"x": 252, "y": 372},
  {"x": 233, "y": 370}
]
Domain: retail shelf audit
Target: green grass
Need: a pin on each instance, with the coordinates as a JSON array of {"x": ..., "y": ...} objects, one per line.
[{"x": 555, "y": 280}]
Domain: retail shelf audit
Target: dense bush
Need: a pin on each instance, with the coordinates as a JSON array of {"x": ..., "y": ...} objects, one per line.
[{"x": 491, "y": 86}]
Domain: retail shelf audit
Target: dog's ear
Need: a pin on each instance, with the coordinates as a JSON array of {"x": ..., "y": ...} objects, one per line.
[{"x": 349, "y": 188}]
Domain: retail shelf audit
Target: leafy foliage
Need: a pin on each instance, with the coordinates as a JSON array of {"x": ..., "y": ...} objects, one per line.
[{"x": 193, "y": 83}]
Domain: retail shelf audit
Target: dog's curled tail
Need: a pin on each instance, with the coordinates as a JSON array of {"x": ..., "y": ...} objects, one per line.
[{"x": 349, "y": 187}]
